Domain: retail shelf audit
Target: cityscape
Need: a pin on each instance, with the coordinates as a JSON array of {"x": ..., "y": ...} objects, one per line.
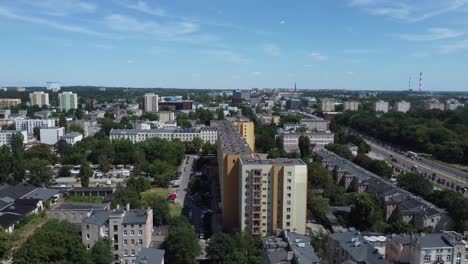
[{"x": 193, "y": 155}]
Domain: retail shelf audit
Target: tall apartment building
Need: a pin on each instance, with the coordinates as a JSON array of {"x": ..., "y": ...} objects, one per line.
[
  {"x": 67, "y": 101},
  {"x": 51, "y": 136},
  {"x": 150, "y": 102},
  {"x": 39, "y": 98},
  {"x": 128, "y": 230},
  {"x": 350, "y": 105},
  {"x": 8, "y": 102},
  {"x": 327, "y": 105},
  {"x": 30, "y": 124},
  {"x": 5, "y": 136},
  {"x": 247, "y": 131},
  {"x": 381, "y": 106},
  {"x": 434, "y": 104},
  {"x": 166, "y": 116},
  {"x": 258, "y": 195},
  {"x": 402, "y": 106},
  {"x": 452, "y": 104}
]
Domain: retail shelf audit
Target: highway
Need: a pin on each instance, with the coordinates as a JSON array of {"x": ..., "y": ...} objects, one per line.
[{"x": 443, "y": 175}]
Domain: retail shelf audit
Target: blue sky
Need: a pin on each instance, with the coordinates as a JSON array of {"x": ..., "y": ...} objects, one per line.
[{"x": 320, "y": 44}]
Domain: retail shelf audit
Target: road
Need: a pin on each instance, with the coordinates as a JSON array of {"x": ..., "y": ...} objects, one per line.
[
  {"x": 443, "y": 175},
  {"x": 184, "y": 179}
]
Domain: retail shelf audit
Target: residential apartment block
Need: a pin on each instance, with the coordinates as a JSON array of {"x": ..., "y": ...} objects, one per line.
[
  {"x": 453, "y": 104},
  {"x": 327, "y": 105},
  {"x": 166, "y": 116},
  {"x": 51, "y": 136},
  {"x": 381, "y": 106},
  {"x": 207, "y": 134},
  {"x": 268, "y": 119},
  {"x": 402, "y": 106},
  {"x": 318, "y": 140},
  {"x": 400, "y": 205},
  {"x": 350, "y": 105},
  {"x": 5, "y": 136},
  {"x": 39, "y": 98},
  {"x": 246, "y": 129},
  {"x": 448, "y": 247},
  {"x": 8, "y": 102},
  {"x": 258, "y": 195},
  {"x": 434, "y": 104},
  {"x": 128, "y": 230},
  {"x": 68, "y": 101},
  {"x": 29, "y": 124},
  {"x": 150, "y": 102}
]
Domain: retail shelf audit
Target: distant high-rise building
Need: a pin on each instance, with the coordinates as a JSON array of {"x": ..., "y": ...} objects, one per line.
[
  {"x": 53, "y": 86},
  {"x": 150, "y": 102},
  {"x": 67, "y": 101},
  {"x": 452, "y": 104},
  {"x": 239, "y": 95},
  {"x": 39, "y": 98},
  {"x": 402, "y": 106},
  {"x": 350, "y": 106},
  {"x": 293, "y": 104},
  {"x": 381, "y": 106},
  {"x": 327, "y": 105},
  {"x": 8, "y": 102},
  {"x": 434, "y": 104}
]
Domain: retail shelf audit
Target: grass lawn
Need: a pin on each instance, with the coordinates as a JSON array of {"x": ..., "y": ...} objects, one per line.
[
  {"x": 25, "y": 229},
  {"x": 84, "y": 199},
  {"x": 175, "y": 209}
]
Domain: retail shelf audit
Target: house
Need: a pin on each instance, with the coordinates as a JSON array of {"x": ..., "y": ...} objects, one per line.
[
  {"x": 150, "y": 255},
  {"x": 288, "y": 248},
  {"x": 75, "y": 213}
]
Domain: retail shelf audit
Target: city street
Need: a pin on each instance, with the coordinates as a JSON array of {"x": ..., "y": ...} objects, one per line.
[{"x": 186, "y": 171}]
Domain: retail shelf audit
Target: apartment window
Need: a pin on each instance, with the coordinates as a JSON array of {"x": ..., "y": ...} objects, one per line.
[
  {"x": 289, "y": 173},
  {"x": 288, "y": 223},
  {"x": 140, "y": 241},
  {"x": 125, "y": 226},
  {"x": 116, "y": 247},
  {"x": 139, "y": 226},
  {"x": 289, "y": 188},
  {"x": 264, "y": 196},
  {"x": 132, "y": 233},
  {"x": 87, "y": 227},
  {"x": 125, "y": 232},
  {"x": 133, "y": 241},
  {"x": 289, "y": 195},
  {"x": 439, "y": 257},
  {"x": 289, "y": 180},
  {"x": 288, "y": 202},
  {"x": 133, "y": 252},
  {"x": 449, "y": 258},
  {"x": 288, "y": 216},
  {"x": 125, "y": 252},
  {"x": 116, "y": 257},
  {"x": 427, "y": 258},
  {"x": 115, "y": 227},
  {"x": 140, "y": 232},
  {"x": 125, "y": 241},
  {"x": 116, "y": 238},
  {"x": 87, "y": 236},
  {"x": 288, "y": 210}
]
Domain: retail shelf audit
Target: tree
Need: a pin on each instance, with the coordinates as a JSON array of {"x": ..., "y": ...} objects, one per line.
[
  {"x": 340, "y": 150},
  {"x": 104, "y": 164},
  {"x": 416, "y": 183},
  {"x": 37, "y": 133},
  {"x": 5, "y": 244},
  {"x": 304, "y": 146},
  {"x": 366, "y": 212},
  {"x": 62, "y": 120},
  {"x": 5, "y": 163},
  {"x": 17, "y": 155},
  {"x": 41, "y": 151},
  {"x": 65, "y": 171},
  {"x": 86, "y": 172},
  {"x": 54, "y": 242},
  {"x": 162, "y": 172},
  {"x": 220, "y": 113},
  {"x": 160, "y": 206},
  {"x": 63, "y": 148},
  {"x": 220, "y": 247},
  {"x": 76, "y": 128},
  {"x": 39, "y": 171},
  {"x": 318, "y": 206},
  {"x": 101, "y": 252},
  {"x": 181, "y": 243}
]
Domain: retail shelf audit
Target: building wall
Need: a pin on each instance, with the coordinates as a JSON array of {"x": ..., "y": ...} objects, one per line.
[
  {"x": 403, "y": 106},
  {"x": 381, "y": 106},
  {"x": 5, "y": 136},
  {"x": 350, "y": 105},
  {"x": 247, "y": 131},
  {"x": 30, "y": 124},
  {"x": 150, "y": 102},
  {"x": 7, "y": 102},
  {"x": 67, "y": 101},
  {"x": 39, "y": 98},
  {"x": 50, "y": 136}
]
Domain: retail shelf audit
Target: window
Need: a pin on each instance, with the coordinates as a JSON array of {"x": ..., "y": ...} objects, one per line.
[
  {"x": 125, "y": 232},
  {"x": 116, "y": 247},
  {"x": 427, "y": 258},
  {"x": 87, "y": 227},
  {"x": 449, "y": 258},
  {"x": 289, "y": 180},
  {"x": 125, "y": 253},
  {"x": 88, "y": 246},
  {"x": 87, "y": 236},
  {"x": 288, "y": 224},
  {"x": 133, "y": 252},
  {"x": 133, "y": 241},
  {"x": 288, "y": 217},
  {"x": 439, "y": 257},
  {"x": 140, "y": 232},
  {"x": 115, "y": 228},
  {"x": 116, "y": 257},
  {"x": 288, "y": 210},
  {"x": 140, "y": 241},
  {"x": 132, "y": 233},
  {"x": 125, "y": 241},
  {"x": 289, "y": 173}
]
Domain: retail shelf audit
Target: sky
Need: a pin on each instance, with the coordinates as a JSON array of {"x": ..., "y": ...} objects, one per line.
[{"x": 221, "y": 44}]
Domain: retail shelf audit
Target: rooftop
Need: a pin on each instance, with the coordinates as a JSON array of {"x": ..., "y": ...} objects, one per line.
[
  {"x": 279, "y": 161},
  {"x": 278, "y": 249},
  {"x": 150, "y": 255},
  {"x": 231, "y": 141}
]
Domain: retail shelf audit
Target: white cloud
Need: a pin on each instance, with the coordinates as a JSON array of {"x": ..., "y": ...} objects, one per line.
[
  {"x": 228, "y": 56},
  {"x": 124, "y": 23},
  {"x": 271, "y": 49},
  {"x": 455, "y": 47},
  {"x": 408, "y": 11},
  {"x": 130, "y": 61},
  {"x": 360, "y": 51},
  {"x": 431, "y": 35},
  {"x": 282, "y": 22},
  {"x": 317, "y": 56},
  {"x": 50, "y": 23},
  {"x": 62, "y": 7},
  {"x": 143, "y": 7}
]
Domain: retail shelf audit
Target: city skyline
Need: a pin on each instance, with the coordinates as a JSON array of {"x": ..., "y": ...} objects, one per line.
[{"x": 349, "y": 44}]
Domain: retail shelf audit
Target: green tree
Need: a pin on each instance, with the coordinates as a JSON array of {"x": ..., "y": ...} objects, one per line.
[
  {"x": 63, "y": 148},
  {"x": 160, "y": 206},
  {"x": 304, "y": 146},
  {"x": 39, "y": 171},
  {"x": 5, "y": 244},
  {"x": 41, "y": 151},
  {"x": 65, "y": 171},
  {"x": 104, "y": 163},
  {"x": 17, "y": 154},
  {"x": 5, "y": 163},
  {"x": 366, "y": 212},
  {"x": 162, "y": 172},
  {"x": 220, "y": 247},
  {"x": 181, "y": 236},
  {"x": 54, "y": 242},
  {"x": 319, "y": 206},
  {"x": 220, "y": 113},
  {"x": 101, "y": 252},
  {"x": 416, "y": 183},
  {"x": 73, "y": 127},
  {"x": 86, "y": 172},
  {"x": 37, "y": 133},
  {"x": 340, "y": 150}
]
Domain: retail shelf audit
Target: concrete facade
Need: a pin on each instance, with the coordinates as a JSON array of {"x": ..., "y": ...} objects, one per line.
[{"x": 39, "y": 98}]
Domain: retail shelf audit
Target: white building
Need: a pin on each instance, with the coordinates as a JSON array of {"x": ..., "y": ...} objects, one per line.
[
  {"x": 315, "y": 123},
  {"x": 350, "y": 105},
  {"x": 30, "y": 124},
  {"x": 72, "y": 137},
  {"x": 5, "y": 136},
  {"x": 402, "y": 106},
  {"x": 327, "y": 105},
  {"x": 53, "y": 86},
  {"x": 165, "y": 116},
  {"x": 150, "y": 102},
  {"x": 207, "y": 134},
  {"x": 434, "y": 104},
  {"x": 51, "y": 136},
  {"x": 290, "y": 140},
  {"x": 67, "y": 101},
  {"x": 452, "y": 104},
  {"x": 39, "y": 98},
  {"x": 381, "y": 106}
]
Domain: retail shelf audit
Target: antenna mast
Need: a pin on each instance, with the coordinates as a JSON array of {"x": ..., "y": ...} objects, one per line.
[{"x": 420, "y": 82}]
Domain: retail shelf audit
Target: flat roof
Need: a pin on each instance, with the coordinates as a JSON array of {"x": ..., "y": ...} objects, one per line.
[{"x": 279, "y": 161}]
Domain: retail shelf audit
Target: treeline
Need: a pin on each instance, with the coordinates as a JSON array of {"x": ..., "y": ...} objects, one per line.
[{"x": 443, "y": 134}]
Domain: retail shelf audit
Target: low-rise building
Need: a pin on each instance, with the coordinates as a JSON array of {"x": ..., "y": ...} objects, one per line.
[
  {"x": 129, "y": 230},
  {"x": 434, "y": 104},
  {"x": 5, "y": 136},
  {"x": 381, "y": 106},
  {"x": 315, "y": 123},
  {"x": 318, "y": 140},
  {"x": 351, "y": 247},
  {"x": 453, "y": 104},
  {"x": 350, "y": 105},
  {"x": 9, "y": 102},
  {"x": 72, "y": 137},
  {"x": 76, "y": 213},
  {"x": 268, "y": 119},
  {"x": 288, "y": 247},
  {"x": 166, "y": 116},
  {"x": 29, "y": 124},
  {"x": 51, "y": 136},
  {"x": 169, "y": 133},
  {"x": 4, "y": 114},
  {"x": 402, "y": 106},
  {"x": 150, "y": 255}
]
